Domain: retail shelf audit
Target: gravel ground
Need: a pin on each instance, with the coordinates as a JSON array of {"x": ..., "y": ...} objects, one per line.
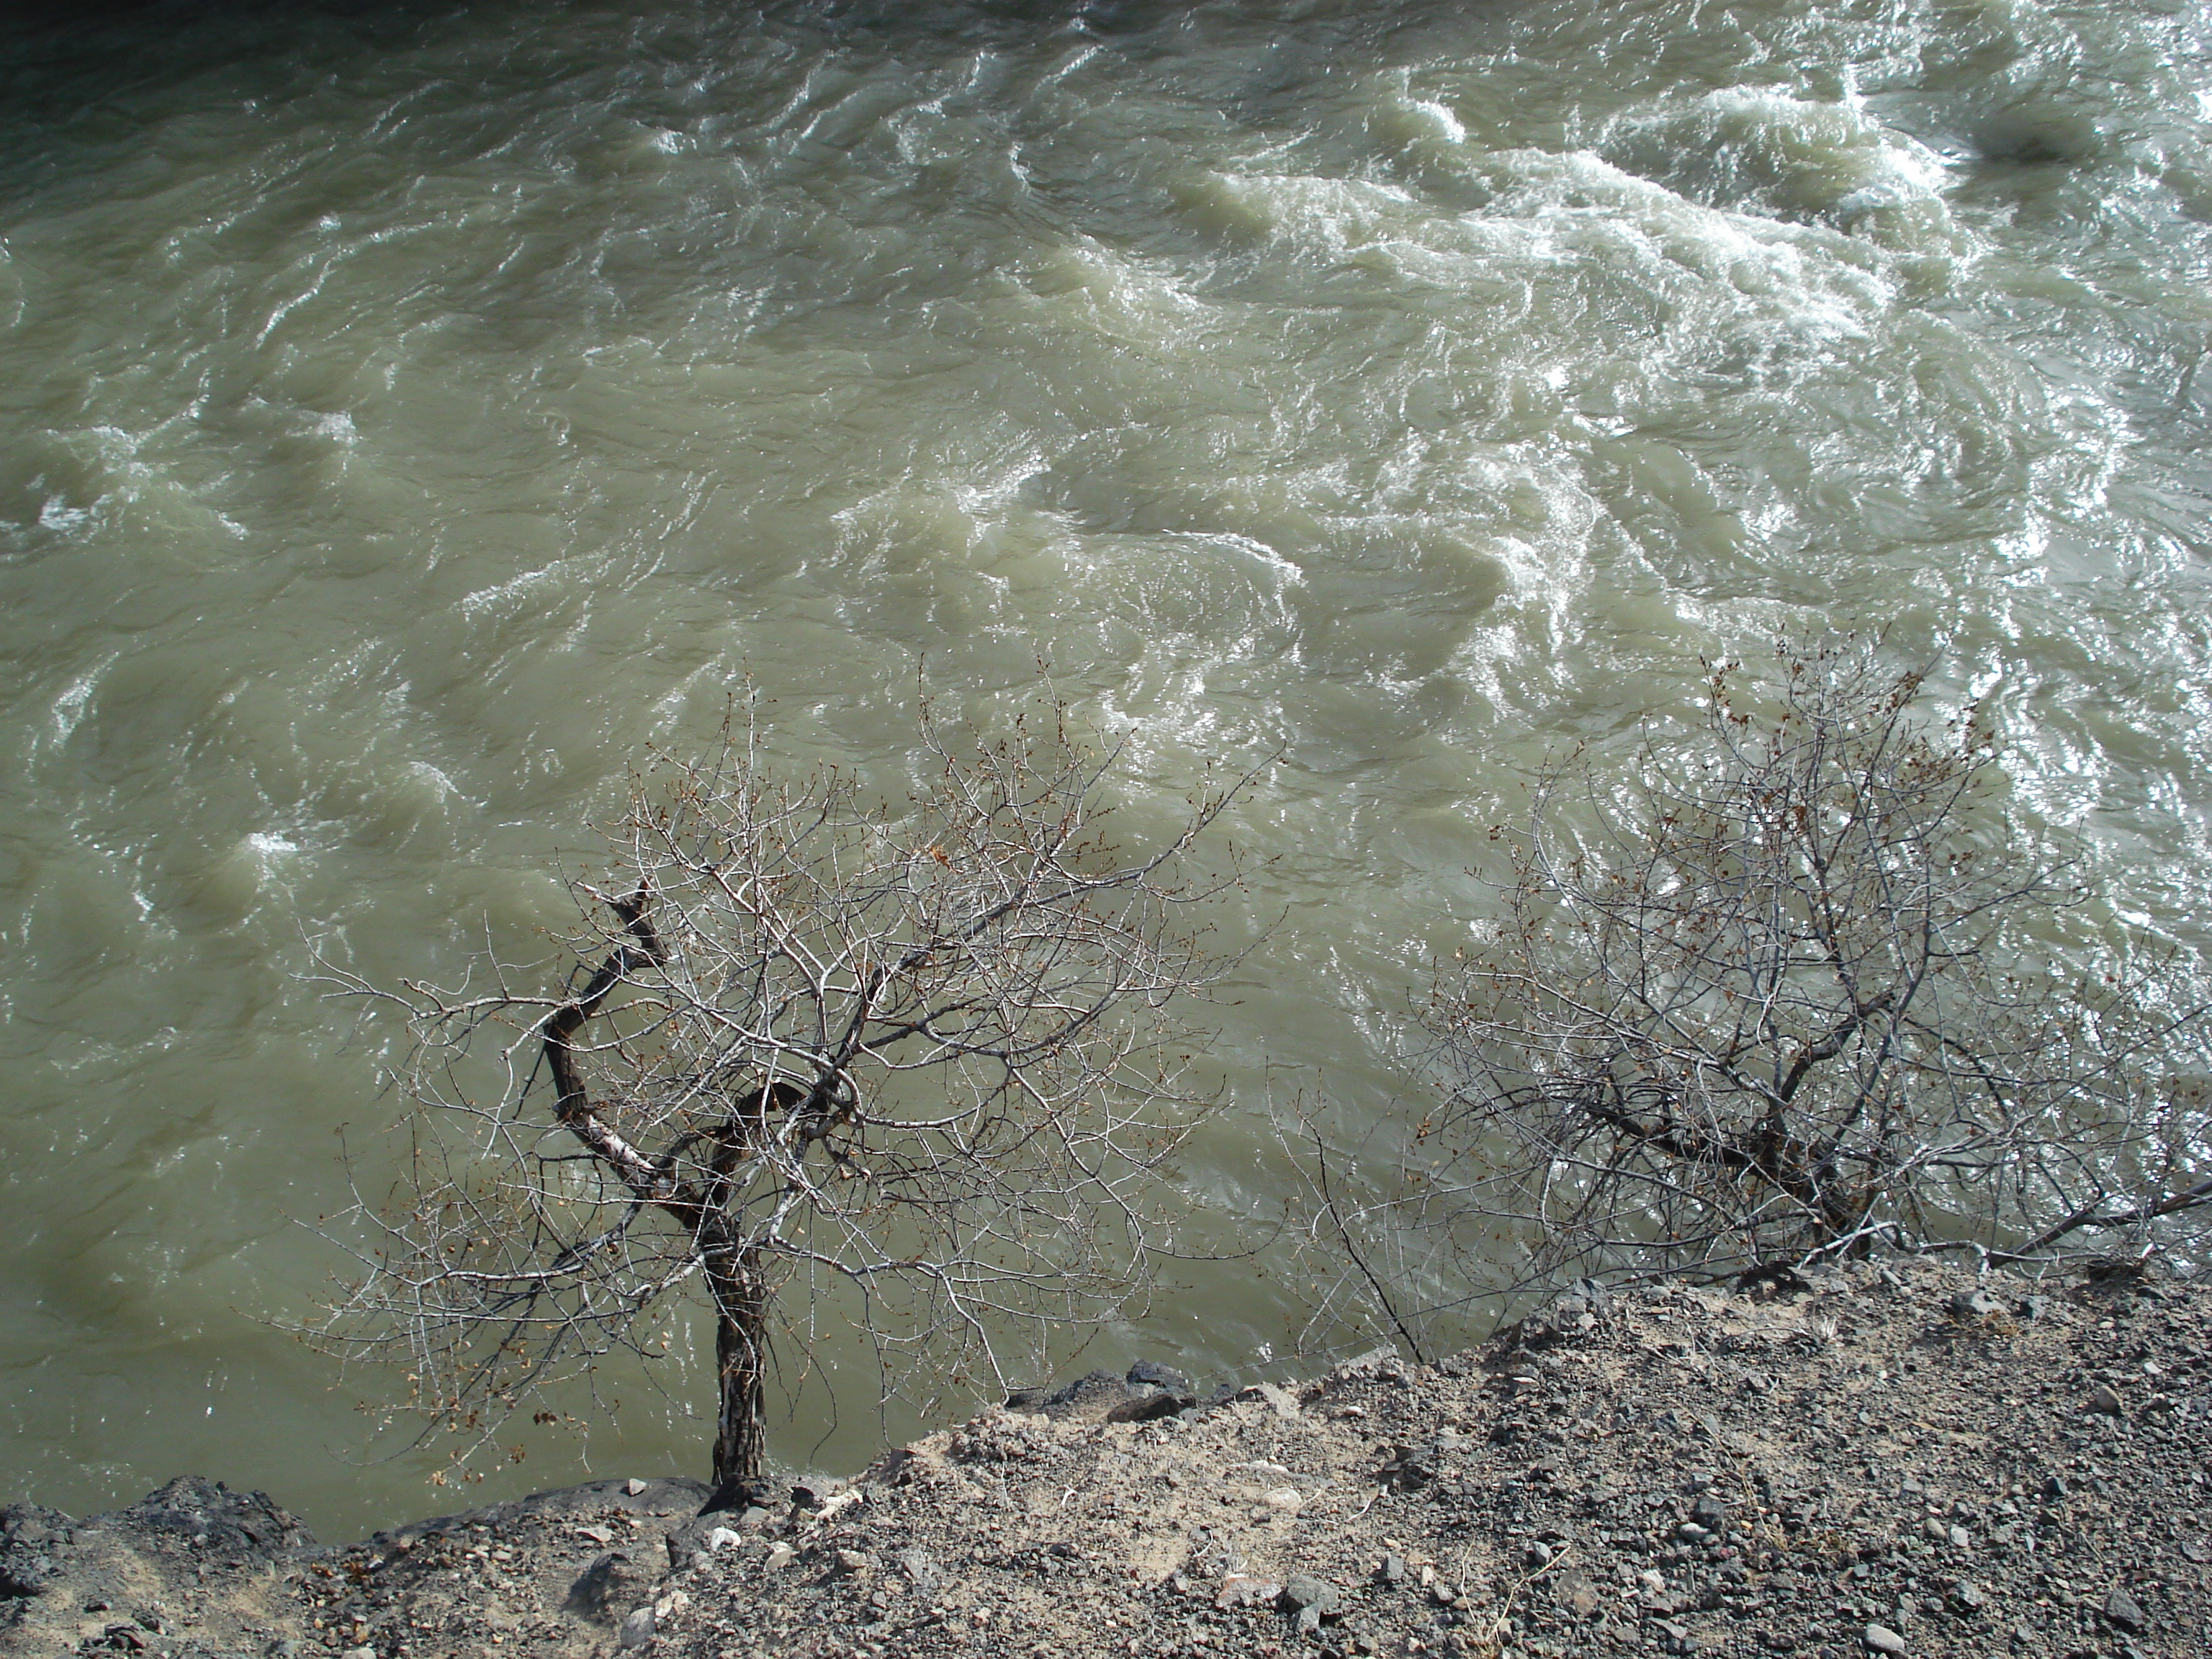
[{"x": 1901, "y": 1460}]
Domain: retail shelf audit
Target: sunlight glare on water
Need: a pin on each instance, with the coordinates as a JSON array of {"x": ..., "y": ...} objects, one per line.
[{"x": 409, "y": 412}]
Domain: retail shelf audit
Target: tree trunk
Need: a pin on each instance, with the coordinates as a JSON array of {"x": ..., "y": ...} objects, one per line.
[{"x": 741, "y": 1297}]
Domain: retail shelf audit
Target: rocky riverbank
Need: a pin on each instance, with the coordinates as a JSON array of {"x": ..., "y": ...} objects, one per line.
[{"x": 1902, "y": 1461}]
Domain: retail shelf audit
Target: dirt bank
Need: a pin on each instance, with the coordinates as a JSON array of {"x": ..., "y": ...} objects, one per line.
[{"x": 1904, "y": 1460}]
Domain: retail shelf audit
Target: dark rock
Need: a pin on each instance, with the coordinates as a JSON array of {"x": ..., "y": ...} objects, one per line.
[
  {"x": 2105, "y": 1401},
  {"x": 1147, "y": 1374},
  {"x": 1393, "y": 1570},
  {"x": 30, "y": 1536},
  {"x": 701, "y": 1536},
  {"x": 1085, "y": 1388},
  {"x": 1311, "y": 1599},
  {"x": 738, "y": 1496},
  {"x": 214, "y": 1517},
  {"x": 1150, "y": 1408},
  {"x": 2116, "y": 1271},
  {"x": 813, "y": 1494},
  {"x": 1775, "y": 1277},
  {"x": 1100, "y": 1396},
  {"x": 1412, "y": 1467}
]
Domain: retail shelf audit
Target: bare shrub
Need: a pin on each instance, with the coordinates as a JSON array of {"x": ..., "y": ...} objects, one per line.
[
  {"x": 914, "y": 1066},
  {"x": 1780, "y": 1002}
]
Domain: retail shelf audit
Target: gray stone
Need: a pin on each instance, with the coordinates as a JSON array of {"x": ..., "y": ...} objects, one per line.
[
  {"x": 2105, "y": 1400},
  {"x": 1882, "y": 1639},
  {"x": 638, "y": 1629},
  {"x": 1240, "y": 1589},
  {"x": 611, "y": 1579},
  {"x": 1977, "y": 1303},
  {"x": 1303, "y": 1591},
  {"x": 1384, "y": 1364},
  {"x": 2124, "y": 1612},
  {"x": 1393, "y": 1570},
  {"x": 1278, "y": 1400},
  {"x": 918, "y": 1566}
]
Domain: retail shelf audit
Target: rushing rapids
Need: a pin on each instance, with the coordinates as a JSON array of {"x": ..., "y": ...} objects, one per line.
[{"x": 409, "y": 412}]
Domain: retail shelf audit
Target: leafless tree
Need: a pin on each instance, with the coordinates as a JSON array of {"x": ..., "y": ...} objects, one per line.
[
  {"x": 1778, "y": 1002},
  {"x": 912, "y": 1066}
]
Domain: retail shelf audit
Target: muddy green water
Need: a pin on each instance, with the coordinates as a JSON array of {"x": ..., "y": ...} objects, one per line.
[{"x": 408, "y": 413}]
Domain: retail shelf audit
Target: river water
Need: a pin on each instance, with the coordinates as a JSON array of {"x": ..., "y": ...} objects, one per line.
[{"x": 407, "y": 414}]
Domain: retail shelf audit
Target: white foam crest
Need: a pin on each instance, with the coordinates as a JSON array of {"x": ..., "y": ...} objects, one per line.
[
  {"x": 1768, "y": 151},
  {"x": 67, "y": 711},
  {"x": 506, "y": 596}
]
